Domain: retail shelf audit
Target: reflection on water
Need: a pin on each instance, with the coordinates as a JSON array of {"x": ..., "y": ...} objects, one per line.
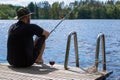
[{"x": 87, "y": 31}]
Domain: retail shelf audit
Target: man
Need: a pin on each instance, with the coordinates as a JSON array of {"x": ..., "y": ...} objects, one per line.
[{"x": 22, "y": 50}]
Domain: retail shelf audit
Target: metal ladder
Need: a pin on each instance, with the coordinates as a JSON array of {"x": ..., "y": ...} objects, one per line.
[
  {"x": 101, "y": 38},
  {"x": 68, "y": 49}
]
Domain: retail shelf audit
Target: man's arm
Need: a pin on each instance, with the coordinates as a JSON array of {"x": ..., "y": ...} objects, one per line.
[{"x": 46, "y": 33}]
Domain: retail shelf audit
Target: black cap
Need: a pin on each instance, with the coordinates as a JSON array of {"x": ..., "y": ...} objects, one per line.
[{"x": 22, "y": 12}]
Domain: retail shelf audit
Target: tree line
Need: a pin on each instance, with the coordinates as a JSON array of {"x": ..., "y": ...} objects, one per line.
[{"x": 88, "y": 9}]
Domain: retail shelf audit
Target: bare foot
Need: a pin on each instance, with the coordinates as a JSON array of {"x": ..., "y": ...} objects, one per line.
[{"x": 39, "y": 62}]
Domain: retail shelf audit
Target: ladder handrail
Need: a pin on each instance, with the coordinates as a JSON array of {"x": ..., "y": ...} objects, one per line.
[
  {"x": 68, "y": 49},
  {"x": 101, "y": 38}
]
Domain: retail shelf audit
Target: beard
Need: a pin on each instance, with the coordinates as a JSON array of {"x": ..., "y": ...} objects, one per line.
[{"x": 28, "y": 21}]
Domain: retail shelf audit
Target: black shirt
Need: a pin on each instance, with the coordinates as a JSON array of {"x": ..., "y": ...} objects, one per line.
[{"x": 20, "y": 43}]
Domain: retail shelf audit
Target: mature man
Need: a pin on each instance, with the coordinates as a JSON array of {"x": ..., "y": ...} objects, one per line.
[{"x": 22, "y": 49}]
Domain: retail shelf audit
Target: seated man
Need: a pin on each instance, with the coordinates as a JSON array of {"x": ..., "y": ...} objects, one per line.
[{"x": 22, "y": 50}]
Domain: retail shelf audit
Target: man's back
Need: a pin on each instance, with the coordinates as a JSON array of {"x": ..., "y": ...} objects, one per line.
[{"x": 20, "y": 42}]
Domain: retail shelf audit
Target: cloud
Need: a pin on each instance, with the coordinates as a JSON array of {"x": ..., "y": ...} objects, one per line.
[
  {"x": 14, "y": 2},
  {"x": 26, "y": 2}
]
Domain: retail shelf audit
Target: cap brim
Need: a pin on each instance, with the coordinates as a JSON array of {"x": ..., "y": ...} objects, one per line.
[{"x": 22, "y": 16}]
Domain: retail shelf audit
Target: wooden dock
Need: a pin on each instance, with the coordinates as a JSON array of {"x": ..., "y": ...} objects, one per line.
[{"x": 45, "y": 72}]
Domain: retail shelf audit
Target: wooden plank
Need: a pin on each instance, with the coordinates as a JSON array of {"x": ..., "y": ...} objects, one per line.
[{"x": 45, "y": 72}]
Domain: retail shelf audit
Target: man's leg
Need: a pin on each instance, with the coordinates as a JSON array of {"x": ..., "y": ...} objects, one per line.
[
  {"x": 39, "y": 58},
  {"x": 39, "y": 47}
]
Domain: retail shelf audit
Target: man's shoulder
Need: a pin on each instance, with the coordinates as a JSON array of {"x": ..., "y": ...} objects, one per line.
[
  {"x": 13, "y": 24},
  {"x": 33, "y": 25}
]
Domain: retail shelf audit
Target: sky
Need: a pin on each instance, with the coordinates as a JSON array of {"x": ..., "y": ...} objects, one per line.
[{"x": 26, "y": 2}]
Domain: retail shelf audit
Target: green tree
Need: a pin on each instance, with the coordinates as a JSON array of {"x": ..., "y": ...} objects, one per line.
[
  {"x": 7, "y": 12},
  {"x": 84, "y": 12},
  {"x": 36, "y": 12},
  {"x": 55, "y": 10},
  {"x": 46, "y": 10},
  {"x": 31, "y": 6},
  {"x": 110, "y": 12},
  {"x": 102, "y": 12}
]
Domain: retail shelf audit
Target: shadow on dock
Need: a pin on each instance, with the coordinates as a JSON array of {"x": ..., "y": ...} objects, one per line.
[{"x": 35, "y": 69}]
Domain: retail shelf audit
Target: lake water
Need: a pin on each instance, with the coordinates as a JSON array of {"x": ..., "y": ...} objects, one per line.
[{"x": 87, "y": 31}]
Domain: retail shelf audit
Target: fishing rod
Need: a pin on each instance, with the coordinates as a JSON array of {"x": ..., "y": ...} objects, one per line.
[{"x": 62, "y": 20}]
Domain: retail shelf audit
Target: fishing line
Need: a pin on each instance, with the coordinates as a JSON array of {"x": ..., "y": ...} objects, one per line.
[{"x": 63, "y": 19}]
